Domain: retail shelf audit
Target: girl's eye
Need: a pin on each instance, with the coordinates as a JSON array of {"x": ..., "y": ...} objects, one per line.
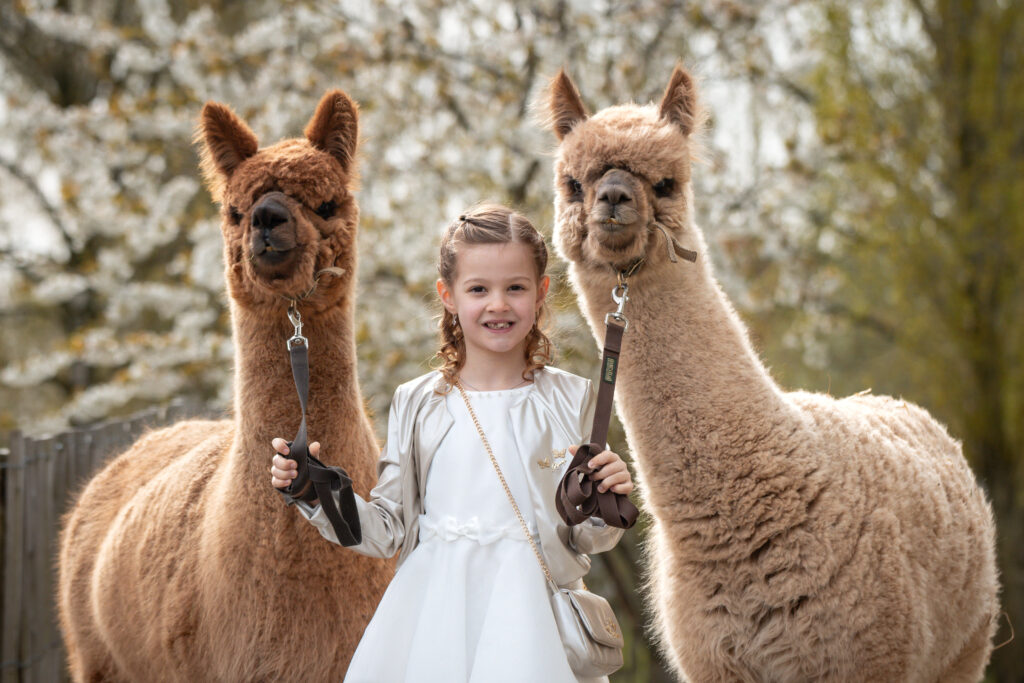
[
  {"x": 664, "y": 187},
  {"x": 235, "y": 216},
  {"x": 326, "y": 210},
  {"x": 476, "y": 289},
  {"x": 575, "y": 189}
]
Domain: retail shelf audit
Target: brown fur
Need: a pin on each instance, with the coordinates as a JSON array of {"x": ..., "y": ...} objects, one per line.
[
  {"x": 796, "y": 536},
  {"x": 179, "y": 562}
]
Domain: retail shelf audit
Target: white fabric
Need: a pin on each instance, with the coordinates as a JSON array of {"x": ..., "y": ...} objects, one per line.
[{"x": 471, "y": 602}]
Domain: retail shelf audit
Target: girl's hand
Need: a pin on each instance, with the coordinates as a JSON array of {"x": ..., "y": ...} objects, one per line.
[
  {"x": 612, "y": 472},
  {"x": 284, "y": 469}
]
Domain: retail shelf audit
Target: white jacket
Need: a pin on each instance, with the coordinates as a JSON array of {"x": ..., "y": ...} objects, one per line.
[{"x": 558, "y": 412}]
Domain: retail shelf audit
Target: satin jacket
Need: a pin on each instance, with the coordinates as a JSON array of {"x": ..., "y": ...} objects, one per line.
[{"x": 557, "y": 413}]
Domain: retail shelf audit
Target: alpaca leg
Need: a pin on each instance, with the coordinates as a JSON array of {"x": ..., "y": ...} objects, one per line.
[{"x": 969, "y": 664}]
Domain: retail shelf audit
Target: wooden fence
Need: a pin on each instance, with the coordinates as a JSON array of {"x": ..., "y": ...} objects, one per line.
[{"x": 38, "y": 476}]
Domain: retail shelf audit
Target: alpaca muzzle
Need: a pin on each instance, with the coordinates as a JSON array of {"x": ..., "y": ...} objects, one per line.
[
  {"x": 616, "y": 207},
  {"x": 272, "y": 229}
]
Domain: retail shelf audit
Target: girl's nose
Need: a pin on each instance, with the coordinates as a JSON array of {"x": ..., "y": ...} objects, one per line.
[{"x": 497, "y": 303}]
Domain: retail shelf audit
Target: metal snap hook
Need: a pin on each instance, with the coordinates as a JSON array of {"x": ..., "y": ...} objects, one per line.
[
  {"x": 620, "y": 297},
  {"x": 296, "y": 319}
]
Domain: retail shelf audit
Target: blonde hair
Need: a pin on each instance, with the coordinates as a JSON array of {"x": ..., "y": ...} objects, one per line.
[{"x": 489, "y": 224}]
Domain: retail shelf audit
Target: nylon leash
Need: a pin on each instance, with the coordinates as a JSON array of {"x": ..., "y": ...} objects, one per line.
[
  {"x": 314, "y": 480},
  {"x": 577, "y": 497}
]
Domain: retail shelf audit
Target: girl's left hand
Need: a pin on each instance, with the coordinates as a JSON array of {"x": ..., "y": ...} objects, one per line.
[{"x": 612, "y": 472}]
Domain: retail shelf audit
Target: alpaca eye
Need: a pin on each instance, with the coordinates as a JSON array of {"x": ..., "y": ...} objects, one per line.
[
  {"x": 664, "y": 187},
  {"x": 326, "y": 210},
  {"x": 234, "y": 215},
  {"x": 575, "y": 189}
]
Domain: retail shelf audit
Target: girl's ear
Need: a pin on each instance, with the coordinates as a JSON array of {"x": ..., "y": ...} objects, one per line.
[
  {"x": 542, "y": 289},
  {"x": 446, "y": 296}
]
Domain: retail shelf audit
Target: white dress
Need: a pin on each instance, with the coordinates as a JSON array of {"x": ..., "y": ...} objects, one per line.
[{"x": 470, "y": 603}]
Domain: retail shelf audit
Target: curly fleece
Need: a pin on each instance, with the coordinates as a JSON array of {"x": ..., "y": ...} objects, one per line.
[
  {"x": 179, "y": 562},
  {"x": 796, "y": 536}
]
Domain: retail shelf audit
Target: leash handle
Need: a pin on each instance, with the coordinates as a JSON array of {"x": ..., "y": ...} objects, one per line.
[
  {"x": 314, "y": 480},
  {"x": 577, "y": 497}
]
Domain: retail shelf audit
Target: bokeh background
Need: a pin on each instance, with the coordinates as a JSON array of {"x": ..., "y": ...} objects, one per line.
[{"x": 861, "y": 187}]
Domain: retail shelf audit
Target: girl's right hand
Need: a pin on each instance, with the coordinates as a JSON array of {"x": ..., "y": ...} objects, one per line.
[{"x": 283, "y": 469}]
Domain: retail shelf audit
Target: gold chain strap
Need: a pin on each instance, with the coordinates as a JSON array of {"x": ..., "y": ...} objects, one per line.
[{"x": 504, "y": 484}]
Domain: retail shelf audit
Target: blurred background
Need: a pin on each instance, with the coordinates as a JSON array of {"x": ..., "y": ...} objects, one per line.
[{"x": 861, "y": 188}]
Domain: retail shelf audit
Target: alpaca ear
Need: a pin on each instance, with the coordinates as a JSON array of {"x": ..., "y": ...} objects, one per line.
[
  {"x": 226, "y": 142},
  {"x": 334, "y": 127},
  {"x": 565, "y": 106},
  {"x": 679, "y": 103}
]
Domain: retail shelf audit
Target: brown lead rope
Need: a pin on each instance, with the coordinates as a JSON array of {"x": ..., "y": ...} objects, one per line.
[
  {"x": 577, "y": 497},
  {"x": 314, "y": 480}
]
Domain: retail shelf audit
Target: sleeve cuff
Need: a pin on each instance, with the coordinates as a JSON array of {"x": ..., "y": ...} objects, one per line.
[{"x": 310, "y": 512}]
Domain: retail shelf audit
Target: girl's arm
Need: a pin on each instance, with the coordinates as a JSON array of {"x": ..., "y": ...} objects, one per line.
[
  {"x": 380, "y": 518},
  {"x": 592, "y": 535}
]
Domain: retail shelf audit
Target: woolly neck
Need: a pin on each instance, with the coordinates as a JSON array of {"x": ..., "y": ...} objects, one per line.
[
  {"x": 266, "y": 403},
  {"x": 687, "y": 376}
]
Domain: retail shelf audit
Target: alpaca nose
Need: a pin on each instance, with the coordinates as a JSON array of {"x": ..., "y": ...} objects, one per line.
[
  {"x": 268, "y": 215},
  {"x": 614, "y": 193},
  {"x": 615, "y": 189}
]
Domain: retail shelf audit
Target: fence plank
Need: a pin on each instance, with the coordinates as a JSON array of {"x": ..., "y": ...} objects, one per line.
[
  {"x": 13, "y": 556},
  {"x": 80, "y": 464},
  {"x": 51, "y": 643},
  {"x": 61, "y": 473},
  {"x": 37, "y": 555},
  {"x": 30, "y": 625}
]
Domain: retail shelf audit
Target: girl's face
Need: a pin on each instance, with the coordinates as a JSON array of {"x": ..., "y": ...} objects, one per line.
[{"x": 496, "y": 294}]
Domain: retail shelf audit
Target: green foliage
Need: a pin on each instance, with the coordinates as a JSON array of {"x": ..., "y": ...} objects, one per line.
[{"x": 913, "y": 226}]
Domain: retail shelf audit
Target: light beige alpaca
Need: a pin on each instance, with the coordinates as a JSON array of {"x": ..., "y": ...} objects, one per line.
[
  {"x": 179, "y": 561},
  {"x": 796, "y": 536}
]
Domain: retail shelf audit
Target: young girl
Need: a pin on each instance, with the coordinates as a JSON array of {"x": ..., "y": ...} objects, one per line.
[{"x": 469, "y": 601}]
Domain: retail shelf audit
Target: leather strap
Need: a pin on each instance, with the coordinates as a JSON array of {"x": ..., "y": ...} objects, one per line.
[
  {"x": 298, "y": 447},
  {"x": 606, "y": 383},
  {"x": 577, "y": 497},
  {"x": 316, "y": 481}
]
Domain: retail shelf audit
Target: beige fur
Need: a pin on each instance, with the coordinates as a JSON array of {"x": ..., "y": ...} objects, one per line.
[
  {"x": 796, "y": 536},
  {"x": 179, "y": 561}
]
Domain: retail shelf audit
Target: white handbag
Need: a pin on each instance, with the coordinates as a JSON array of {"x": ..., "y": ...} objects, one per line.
[
  {"x": 590, "y": 632},
  {"x": 586, "y": 622}
]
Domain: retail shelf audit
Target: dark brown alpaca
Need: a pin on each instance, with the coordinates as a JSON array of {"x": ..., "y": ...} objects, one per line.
[{"x": 179, "y": 562}]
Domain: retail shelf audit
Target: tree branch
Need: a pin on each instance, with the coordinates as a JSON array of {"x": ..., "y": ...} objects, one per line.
[
  {"x": 49, "y": 208},
  {"x": 863, "y": 320}
]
